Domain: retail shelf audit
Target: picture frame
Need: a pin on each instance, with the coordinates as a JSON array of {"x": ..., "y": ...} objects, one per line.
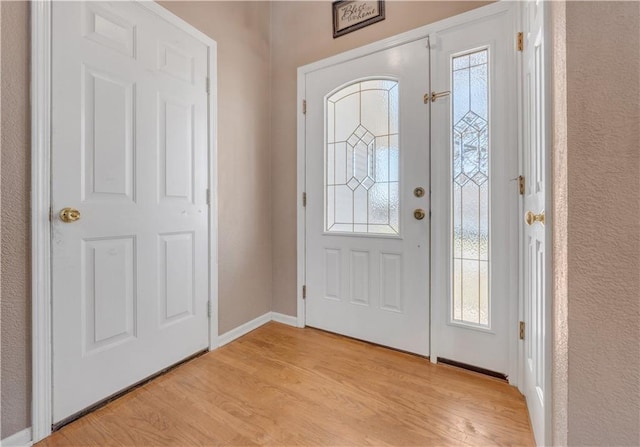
[{"x": 352, "y": 15}]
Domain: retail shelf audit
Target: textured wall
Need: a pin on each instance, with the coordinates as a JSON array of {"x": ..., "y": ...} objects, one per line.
[
  {"x": 603, "y": 166},
  {"x": 242, "y": 32},
  {"x": 15, "y": 271},
  {"x": 302, "y": 34}
]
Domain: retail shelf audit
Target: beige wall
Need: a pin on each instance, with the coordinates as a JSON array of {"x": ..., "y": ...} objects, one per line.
[
  {"x": 603, "y": 223},
  {"x": 242, "y": 31},
  {"x": 14, "y": 218},
  {"x": 302, "y": 33}
]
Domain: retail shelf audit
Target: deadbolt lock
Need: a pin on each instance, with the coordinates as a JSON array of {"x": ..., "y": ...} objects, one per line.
[{"x": 418, "y": 192}]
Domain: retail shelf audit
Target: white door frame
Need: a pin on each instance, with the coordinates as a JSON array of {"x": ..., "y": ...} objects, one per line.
[
  {"x": 41, "y": 65},
  {"x": 515, "y": 346},
  {"x": 400, "y": 39}
]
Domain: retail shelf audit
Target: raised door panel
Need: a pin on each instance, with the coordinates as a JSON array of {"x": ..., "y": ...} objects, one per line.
[
  {"x": 176, "y": 149},
  {"x": 109, "y": 292},
  {"x": 333, "y": 282},
  {"x": 359, "y": 281},
  {"x": 176, "y": 62},
  {"x": 176, "y": 277},
  {"x": 391, "y": 282},
  {"x": 109, "y": 146},
  {"x": 109, "y": 29}
]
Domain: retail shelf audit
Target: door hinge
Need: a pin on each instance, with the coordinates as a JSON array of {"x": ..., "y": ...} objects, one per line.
[
  {"x": 522, "y": 330},
  {"x": 520, "y": 41},
  {"x": 304, "y": 292},
  {"x": 521, "y": 184},
  {"x": 209, "y": 309},
  {"x": 208, "y": 85},
  {"x": 304, "y": 199},
  {"x": 208, "y": 197},
  {"x": 304, "y": 106}
]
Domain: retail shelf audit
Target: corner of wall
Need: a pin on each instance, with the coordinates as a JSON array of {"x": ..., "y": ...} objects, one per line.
[{"x": 271, "y": 219}]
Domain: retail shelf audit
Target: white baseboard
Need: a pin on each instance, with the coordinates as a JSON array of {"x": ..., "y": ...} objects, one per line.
[
  {"x": 243, "y": 329},
  {"x": 249, "y": 326},
  {"x": 20, "y": 439},
  {"x": 284, "y": 319}
]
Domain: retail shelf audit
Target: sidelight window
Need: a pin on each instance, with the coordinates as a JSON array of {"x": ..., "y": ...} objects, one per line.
[{"x": 470, "y": 188}]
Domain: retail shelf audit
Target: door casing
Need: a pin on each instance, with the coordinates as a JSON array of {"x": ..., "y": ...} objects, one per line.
[
  {"x": 41, "y": 66},
  {"x": 515, "y": 313}
]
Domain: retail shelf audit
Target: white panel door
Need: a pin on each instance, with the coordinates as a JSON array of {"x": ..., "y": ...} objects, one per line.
[
  {"x": 129, "y": 152},
  {"x": 367, "y": 149},
  {"x": 474, "y": 194},
  {"x": 535, "y": 144}
]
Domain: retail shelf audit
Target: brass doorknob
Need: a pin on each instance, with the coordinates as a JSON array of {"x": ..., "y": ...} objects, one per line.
[
  {"x": 419, "y": 214},
  {"x": 530, "y": 218},
  {"x": 69, "y": 215}
]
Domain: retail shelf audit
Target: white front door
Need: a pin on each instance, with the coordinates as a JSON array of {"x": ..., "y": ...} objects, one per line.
[
  {"x": 536, "y": 311},
  {"x": 474, "y": 193},
  {"x": 367, "y": 150},
  {"x": 129, "y": 153}
]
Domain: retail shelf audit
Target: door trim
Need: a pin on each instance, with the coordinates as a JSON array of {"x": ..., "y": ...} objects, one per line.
[
  {"x": 400, "y": 39},
  {"x": 41, "y": 311}
]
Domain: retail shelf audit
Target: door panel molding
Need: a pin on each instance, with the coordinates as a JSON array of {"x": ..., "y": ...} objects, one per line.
[{"x": 41, "y": 107}]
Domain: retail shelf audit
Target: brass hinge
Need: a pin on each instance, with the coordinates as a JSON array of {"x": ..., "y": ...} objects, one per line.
[
  {"x": 304, "y": 106},
  {"x": 521, "y": 184},
  {"x": 304, "y": 199},
  {"x": 304, "y": 292},
  {"x": 208, "y": 86},
  {"x": 520, "y": 41},
  {"x": 522, "y": 330}
]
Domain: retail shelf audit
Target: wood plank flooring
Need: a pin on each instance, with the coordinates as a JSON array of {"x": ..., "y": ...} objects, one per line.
[{"x": 285, "y": 386}]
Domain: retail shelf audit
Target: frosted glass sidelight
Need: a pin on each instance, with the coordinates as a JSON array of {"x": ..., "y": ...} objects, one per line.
[
  {"x": 362, "y": 159},
  {"x": 470, "y": 188}
]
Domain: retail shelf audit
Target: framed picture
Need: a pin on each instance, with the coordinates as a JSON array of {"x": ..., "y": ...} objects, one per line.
[{"x": 351, "y": 15}]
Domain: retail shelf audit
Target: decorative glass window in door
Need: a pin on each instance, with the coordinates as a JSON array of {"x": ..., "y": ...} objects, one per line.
[
  {"x": 470, "y": 188},
  {"x": 362, "y": 158}
]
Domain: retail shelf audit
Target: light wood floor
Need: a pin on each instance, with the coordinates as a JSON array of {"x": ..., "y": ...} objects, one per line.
[{"x": 284, "y": 386}]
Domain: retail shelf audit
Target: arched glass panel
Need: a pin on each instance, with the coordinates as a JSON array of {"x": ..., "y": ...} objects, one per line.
[{"x": 362, "y": 158}]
